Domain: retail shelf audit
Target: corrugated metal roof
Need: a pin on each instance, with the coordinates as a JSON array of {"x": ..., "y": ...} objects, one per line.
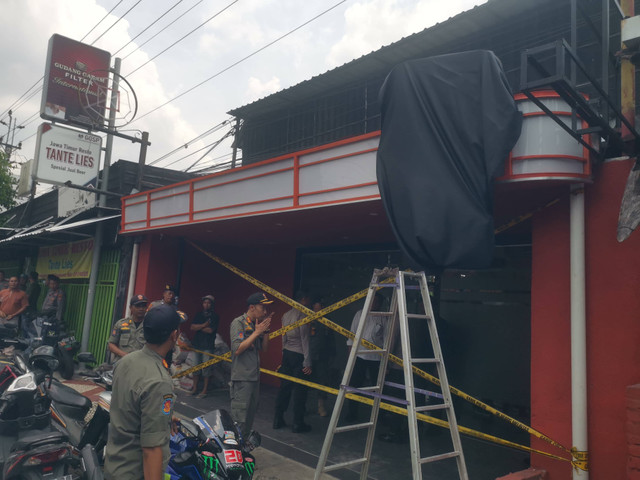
[{"x": 427, "y": 42}]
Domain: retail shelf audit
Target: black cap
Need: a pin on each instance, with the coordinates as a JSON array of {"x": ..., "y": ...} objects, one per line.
[
  {"x": 168, "y": 286},
  {"x": 211, "y": 298},
  {"x": 138, "y": 299},
  {"x": 163, "y": 318},
  {"x": 51, "y": 276},
  {"x": 257, "y": 298}
]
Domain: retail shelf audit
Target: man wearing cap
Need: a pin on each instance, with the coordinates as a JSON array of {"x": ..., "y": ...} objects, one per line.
[
  {"x": 53, "y": 304},
  {"x": 168, "y": 297},
  {"x": 142, "y": 403},
  {"x": 127, "y": 335},
  {"x": 205, "y": 324},
  {"x": 249, "y": 335}
]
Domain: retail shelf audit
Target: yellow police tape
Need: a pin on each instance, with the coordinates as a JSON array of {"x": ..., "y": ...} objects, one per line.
[
  {"x": 578, "y": 462},
  {"x": 399, "y": 410}
]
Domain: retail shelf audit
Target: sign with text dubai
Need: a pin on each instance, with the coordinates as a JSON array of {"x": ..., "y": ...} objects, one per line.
[
  {"x": 67, "y": 260},
  {"x": 63, "y": 154},
  {"x": 76, "y": 74}
]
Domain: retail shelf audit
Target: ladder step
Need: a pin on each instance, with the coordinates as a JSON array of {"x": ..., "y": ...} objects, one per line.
[
  {"x": 382, "y": 314},
  {"x": 356, "y": 426},
  {"x": 364, "y": 350},
  {"x": 418, "y": 315},
  {"x": 437, "y": 458},
  {"x": 425, "y": 360},
  {"x": 426, "y": 408},
  {"x": 338, "y": 466},
  {"x": 384, "y": 285}
]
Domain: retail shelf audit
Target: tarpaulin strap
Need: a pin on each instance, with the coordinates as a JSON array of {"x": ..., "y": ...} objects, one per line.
[{"x": 311, "y": 316}]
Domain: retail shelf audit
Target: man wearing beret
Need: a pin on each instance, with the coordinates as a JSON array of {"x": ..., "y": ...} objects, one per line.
[
  {"x": 249, "y": 335},
  {"x": 127, "y": 335},
  {"x": 168, "y": 297},
  {"x": 142, "y": 403}
]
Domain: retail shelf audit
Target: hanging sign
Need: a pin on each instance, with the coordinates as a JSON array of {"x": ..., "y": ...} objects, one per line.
[
  {"x": 74, "y": 71},
  {"x": 63, "y": 154},
  {"x": 67, "y": 260}
]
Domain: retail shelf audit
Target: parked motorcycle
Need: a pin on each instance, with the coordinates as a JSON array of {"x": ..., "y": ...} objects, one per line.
[
  {"x": 51, "y": 332},
  {"x": 212, "y": 448},
  {"x": 69, "y": 410},
  {"x": 29, "y": 448}
]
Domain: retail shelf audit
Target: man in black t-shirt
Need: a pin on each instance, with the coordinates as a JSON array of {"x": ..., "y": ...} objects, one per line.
[{"x": 205, "y": 324}]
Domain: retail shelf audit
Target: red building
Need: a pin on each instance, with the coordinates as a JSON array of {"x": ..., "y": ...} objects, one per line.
[{"x": 304, "y": 211}]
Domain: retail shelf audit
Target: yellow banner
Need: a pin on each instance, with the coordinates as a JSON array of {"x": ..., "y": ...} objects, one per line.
[{"x": 67, "y": 260}]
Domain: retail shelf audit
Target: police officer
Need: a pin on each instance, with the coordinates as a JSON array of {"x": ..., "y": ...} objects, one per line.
[
  {"x": 53, "y": 304},
  {"x": 247, "y": 340},
  {"x": 168, "y": 297},
  {"x": 127, "y": 335},
  {"x": 142, "y": 403}
]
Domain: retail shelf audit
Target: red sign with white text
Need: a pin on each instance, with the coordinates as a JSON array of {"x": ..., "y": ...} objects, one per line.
[{"x": 76, "y": 75}]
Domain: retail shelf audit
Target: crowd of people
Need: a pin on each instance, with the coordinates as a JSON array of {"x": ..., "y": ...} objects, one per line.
[
  {"x": 19, "y": 296},
  {"x": 141, "y": 344}
]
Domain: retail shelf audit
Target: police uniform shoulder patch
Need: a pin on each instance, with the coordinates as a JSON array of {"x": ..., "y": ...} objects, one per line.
[
  {"x": 167, "y": 402},
  {"x": 241, "y": 335}
]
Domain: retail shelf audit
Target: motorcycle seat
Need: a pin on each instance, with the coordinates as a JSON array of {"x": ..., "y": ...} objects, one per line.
[
  {"x": 38, "y": 438},
  {"x": 60, "y": 393}
]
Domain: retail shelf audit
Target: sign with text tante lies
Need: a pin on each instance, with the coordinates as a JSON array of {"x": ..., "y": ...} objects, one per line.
[
  {"x": 63, "y": 154},
  {"x": 67, "y": 260},
  {"x": 76, "y": 74}
]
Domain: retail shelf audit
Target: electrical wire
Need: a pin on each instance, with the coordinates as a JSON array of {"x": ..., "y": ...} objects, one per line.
[
  {"x": 118, "y": 20},
  {"x": 214, "y": 145},
  {"x": 241, "y": 60},
  {"x": 20, "y": 98},
  {"x": 96, "y": 25},
  {"x": 184, "y": 36},
  {"x": 148, "y": 27},
  {"x": 213, "y": 129},
  {"x": 158, "y": 33}
]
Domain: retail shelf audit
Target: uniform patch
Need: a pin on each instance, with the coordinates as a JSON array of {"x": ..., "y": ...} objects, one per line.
[
  {"x": 167, "y": 402},
  {"x": 114, "y": 332},
  {"x": 240, "y": 335}
]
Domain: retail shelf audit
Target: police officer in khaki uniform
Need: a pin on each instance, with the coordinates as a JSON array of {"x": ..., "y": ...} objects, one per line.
[
  {"x": 53, "y": 304},
  {"x": 247, "y": 340},
  {"x": 142, "y": 404},
  {"x": 168, "y": 297},
  {"x": 127, "y": 335}
]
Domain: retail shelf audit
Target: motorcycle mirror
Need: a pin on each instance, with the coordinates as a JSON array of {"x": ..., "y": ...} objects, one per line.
[
  {"x": 189, "y": 427},
  {"x": 20, "y": 363}
]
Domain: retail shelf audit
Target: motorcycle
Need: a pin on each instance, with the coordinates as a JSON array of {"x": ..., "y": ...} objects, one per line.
[
  {"x": 29, "y": 447},
  {"x": 51, "y": 332},
  {"x": 69, "y": 410},
  {"x": 212, "y": 448}
]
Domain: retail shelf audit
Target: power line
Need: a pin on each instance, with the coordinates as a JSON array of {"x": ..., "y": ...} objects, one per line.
[
  {"x": 213, "y": 129},
  {"x": 167, "y": 26},
  {"x": 148, "y": 27},
  {"x": 214, "y": 145},
  {"x": 242, "y": 60},
  {"x": 96, "y": 25},
  {"x": 21, "y": 96},
  {"x": 185, "y": 36},
  {"x": 114, "y": 23}
]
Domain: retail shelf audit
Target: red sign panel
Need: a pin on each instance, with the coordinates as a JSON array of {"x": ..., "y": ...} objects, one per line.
[{"x": 76, "y": 75}]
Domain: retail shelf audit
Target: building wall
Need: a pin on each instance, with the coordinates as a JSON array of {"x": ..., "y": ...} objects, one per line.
[
  {"x": 202, "y": 276},
  {"x": 613, "y": 330}
]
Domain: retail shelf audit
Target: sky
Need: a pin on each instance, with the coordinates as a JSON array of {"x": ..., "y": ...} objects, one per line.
[{"x": 213, "y": 55}]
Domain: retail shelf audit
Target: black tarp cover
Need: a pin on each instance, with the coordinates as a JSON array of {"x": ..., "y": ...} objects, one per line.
[{"x": 448, "y": 124}]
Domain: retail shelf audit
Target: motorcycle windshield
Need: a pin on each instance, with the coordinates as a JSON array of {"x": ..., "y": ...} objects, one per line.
[{"x": 218, "y": 424}]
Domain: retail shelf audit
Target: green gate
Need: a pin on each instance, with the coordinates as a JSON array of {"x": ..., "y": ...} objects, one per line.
[{"x": 77, "y": 293}]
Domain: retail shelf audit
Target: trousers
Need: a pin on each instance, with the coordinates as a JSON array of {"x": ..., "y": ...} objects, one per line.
[{"x": 292, "y": 366}]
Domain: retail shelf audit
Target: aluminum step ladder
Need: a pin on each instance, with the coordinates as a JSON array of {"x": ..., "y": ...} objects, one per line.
[{"x": 400, "y": 282}]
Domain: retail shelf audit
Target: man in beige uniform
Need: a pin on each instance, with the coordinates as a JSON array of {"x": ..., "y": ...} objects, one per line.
[
  {"x": 127, "y": 335},
  {"x": 142, "y": 404}
]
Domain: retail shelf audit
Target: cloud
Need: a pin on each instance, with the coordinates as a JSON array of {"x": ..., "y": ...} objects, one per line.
[
  {"x": 258, "y": 89},
  {"x": 370, "y": 25}
]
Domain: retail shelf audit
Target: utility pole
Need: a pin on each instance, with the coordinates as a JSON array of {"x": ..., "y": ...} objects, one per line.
[{"x": 12, "y": 126}]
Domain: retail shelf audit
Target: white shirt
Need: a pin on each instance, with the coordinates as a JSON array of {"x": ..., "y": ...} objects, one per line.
[{"x": 375, "y": 331}]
